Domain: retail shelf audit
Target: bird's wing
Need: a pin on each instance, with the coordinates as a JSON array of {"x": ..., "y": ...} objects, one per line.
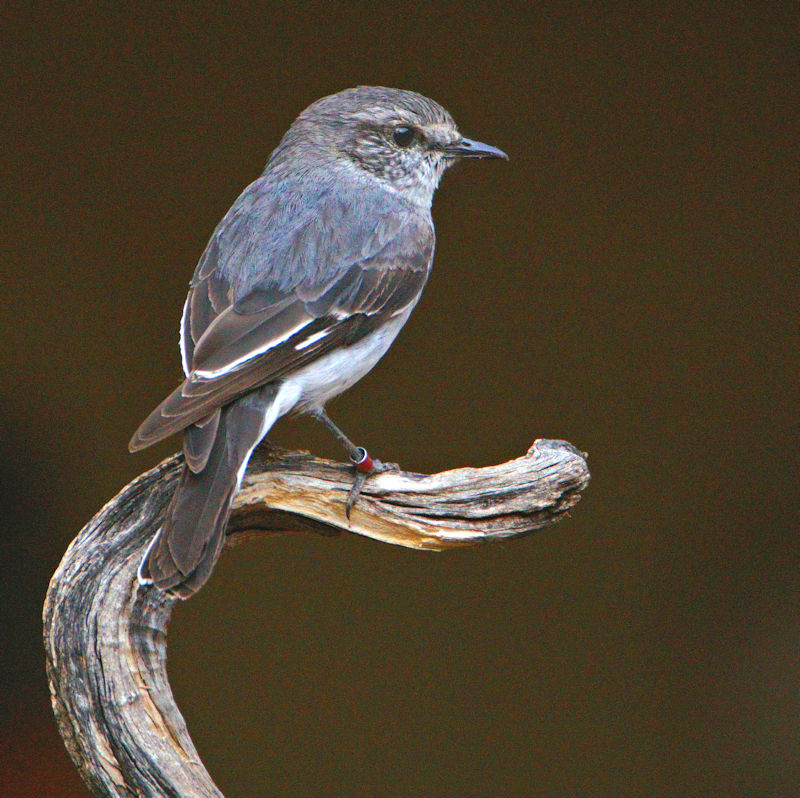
[{"x": 277, "y": 325}]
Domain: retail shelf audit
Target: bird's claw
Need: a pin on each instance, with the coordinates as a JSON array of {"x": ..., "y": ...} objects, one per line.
[
  {"x": 364, "y": 466},
  {"x": 355, "y": 491}
]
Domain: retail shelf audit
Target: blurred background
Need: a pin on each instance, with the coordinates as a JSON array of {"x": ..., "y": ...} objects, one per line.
[{"x": 627, "y": 282}]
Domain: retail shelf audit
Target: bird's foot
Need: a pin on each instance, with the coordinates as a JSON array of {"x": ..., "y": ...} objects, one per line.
[{"x": 364, "y": 465}]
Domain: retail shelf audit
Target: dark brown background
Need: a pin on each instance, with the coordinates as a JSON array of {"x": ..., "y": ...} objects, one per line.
[{"x": 627, "y": 282}]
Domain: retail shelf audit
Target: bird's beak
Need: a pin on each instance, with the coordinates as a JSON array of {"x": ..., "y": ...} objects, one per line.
[{"x": 467, "y": 148}]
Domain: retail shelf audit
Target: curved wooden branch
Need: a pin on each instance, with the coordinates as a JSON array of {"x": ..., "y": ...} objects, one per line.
[{"x": 105, "y": 636}]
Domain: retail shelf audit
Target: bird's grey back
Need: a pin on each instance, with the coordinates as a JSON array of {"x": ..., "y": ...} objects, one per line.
[{"x": 301, "y": 230}]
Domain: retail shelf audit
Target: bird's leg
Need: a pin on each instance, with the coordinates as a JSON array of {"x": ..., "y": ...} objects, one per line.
[
  {"x": 355, "y": 453},
  {"x": 358, "y": 455}
]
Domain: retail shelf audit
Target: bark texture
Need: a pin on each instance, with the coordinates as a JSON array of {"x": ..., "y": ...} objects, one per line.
[{"x": 105, "y": 635}]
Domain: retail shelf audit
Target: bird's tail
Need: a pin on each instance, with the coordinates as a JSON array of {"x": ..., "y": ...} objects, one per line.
[{"x": 185, "y": 550}]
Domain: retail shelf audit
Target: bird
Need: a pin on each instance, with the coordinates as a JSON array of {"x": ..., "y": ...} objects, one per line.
[{"x": 301, "y": 289}]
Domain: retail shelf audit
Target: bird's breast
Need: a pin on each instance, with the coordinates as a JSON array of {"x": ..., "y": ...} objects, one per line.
[{"x": 332, "y": 374}]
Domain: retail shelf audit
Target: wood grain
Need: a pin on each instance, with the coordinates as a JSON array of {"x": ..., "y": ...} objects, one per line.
[{"x": 105, "y": 635}]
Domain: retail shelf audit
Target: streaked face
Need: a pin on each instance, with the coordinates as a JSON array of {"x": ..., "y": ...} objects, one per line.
[
  {"x": 402, "y": 140},
  {"x": 405, "y": 149}
]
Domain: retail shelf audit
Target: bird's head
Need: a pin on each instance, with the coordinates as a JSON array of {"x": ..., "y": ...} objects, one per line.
[{"x": 398, "y": 138}]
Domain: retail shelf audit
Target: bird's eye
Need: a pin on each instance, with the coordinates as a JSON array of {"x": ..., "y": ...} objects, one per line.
[{"x": 403, "y": 135}]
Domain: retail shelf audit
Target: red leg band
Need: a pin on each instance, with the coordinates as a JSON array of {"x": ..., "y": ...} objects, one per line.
[{"x": 365, "y": 463}]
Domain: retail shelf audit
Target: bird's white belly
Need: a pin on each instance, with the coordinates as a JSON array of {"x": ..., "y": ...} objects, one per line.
[{"x": 313, "y": 385}]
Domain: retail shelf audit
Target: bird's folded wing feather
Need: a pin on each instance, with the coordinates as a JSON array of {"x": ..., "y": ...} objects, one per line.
[{"x": 243, "y": 327}]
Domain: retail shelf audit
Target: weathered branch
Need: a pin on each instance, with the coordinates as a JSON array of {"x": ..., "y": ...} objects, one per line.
[{"x": 105, "y": 636}]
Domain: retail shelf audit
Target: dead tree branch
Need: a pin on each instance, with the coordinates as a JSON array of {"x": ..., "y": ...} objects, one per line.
[{"x": 105, "y": 636}]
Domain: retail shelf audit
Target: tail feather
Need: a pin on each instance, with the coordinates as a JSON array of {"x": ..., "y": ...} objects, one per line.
[
  {"x": 193, "y": 532},
  {"x": 198, "y": 441}
]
